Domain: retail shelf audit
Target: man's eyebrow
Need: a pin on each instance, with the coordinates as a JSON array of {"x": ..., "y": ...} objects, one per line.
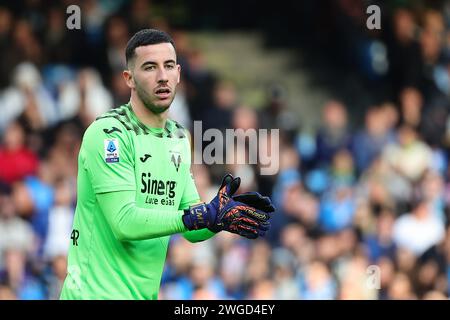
[
  {"x": 148, "y": 63},
  {"x": 154, "y": 63}
]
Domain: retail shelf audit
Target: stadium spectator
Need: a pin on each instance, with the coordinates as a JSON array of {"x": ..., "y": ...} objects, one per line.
[
  {"x": 369, "y": 142},
  {"x": 419, "y": 230},
  {"x": 17, "y": 161},
  {"x": 334, "y": 133}
]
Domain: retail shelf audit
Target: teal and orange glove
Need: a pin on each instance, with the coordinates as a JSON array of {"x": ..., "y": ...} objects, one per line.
[{"x": 247, "y": 214}]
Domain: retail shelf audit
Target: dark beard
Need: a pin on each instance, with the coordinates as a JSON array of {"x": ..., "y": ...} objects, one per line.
[
  {"x": 148, "y": 104},
  {"x": 155, "y": 109}
]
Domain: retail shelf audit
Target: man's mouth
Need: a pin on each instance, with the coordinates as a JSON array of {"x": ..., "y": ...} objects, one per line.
[{"x": 162, "y": 93}]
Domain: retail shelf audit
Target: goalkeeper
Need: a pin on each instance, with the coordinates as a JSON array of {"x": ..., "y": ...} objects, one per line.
[{"x": 135, "y": 188}]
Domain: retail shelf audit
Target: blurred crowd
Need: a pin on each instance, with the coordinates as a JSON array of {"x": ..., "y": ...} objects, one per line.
[{"x": 362, "y": 208}]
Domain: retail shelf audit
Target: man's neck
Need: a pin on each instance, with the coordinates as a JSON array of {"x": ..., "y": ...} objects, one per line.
[{"x": 146, "y": 116}]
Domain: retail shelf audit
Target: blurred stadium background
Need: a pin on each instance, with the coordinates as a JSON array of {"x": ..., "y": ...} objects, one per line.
[{"x": 365, "y": 136}]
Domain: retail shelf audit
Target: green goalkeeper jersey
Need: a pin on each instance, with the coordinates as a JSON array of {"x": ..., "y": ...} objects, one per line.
[{"x": 121, "y": 154}]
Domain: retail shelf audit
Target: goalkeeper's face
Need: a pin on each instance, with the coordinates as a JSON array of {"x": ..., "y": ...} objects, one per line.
[{"x": 155, "y": 75}]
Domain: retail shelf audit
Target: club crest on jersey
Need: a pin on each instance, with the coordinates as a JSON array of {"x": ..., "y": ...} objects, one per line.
[
  {"x": 111, "y": 150},
  {"x": 176, "y": 159}
]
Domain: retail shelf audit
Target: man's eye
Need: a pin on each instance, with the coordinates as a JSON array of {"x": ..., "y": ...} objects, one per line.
[
  {"x": 150, "y": 68},
  {"x": 170, "y": 66}
]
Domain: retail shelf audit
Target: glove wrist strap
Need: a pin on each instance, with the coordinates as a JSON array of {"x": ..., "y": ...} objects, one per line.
[{"x": 195, "y": 217}]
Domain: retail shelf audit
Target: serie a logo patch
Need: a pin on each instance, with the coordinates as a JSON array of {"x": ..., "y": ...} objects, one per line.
[{"x": 111, "y": 150}]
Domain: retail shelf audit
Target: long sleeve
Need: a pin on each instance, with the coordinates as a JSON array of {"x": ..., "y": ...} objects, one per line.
[
  {"x": 198, "y": 235},
  {"x": 129, "y": 222}
]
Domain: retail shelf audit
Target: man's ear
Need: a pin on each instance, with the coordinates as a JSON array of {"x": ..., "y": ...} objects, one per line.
[
  {"x": 179, "y": 73},
  {"x": 128, "y": 77}
]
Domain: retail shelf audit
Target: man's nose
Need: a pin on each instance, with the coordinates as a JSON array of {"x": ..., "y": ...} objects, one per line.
[{"x": 162, "y": 75}]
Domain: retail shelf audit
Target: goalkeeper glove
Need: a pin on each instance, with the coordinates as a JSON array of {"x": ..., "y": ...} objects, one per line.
[{"x": 246, "y": 214}]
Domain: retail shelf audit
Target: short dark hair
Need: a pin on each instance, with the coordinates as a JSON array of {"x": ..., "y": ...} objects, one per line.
[{"x": 146, "y": 37}]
